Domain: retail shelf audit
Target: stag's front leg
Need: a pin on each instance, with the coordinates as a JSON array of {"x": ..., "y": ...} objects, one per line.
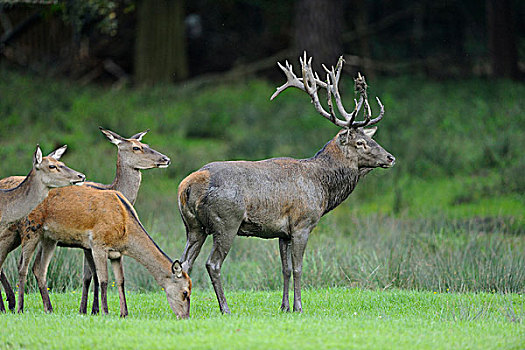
[
  {"x": 118, "y": 271},
  {"x": 40, "y": 267},
  {"x": 286, "y": 261},
  {"x": 299, "y": 240}
]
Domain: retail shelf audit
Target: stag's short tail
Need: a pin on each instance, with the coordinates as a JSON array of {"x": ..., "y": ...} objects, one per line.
[{"x": 191, "y": 192}]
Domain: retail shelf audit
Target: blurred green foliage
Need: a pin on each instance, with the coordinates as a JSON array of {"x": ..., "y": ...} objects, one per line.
[{"x": 472, "y": 129}]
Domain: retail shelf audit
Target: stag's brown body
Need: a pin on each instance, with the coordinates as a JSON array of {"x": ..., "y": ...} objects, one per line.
[{"x": 279, "y": 198}]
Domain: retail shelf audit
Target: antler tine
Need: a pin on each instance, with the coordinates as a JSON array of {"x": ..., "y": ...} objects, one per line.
[
  {"x": 310, "y": 83},
  {"x": 333, "y": 117},
  {"x": 291, "y": 80},
  {"x": 369, "y": 121},
  {"x": 335, "y": 74}
]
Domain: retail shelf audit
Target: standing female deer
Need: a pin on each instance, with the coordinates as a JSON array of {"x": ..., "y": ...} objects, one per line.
[
  {"x": 282, "y": 197},
  {"x": 132, "y": 157},
  {"x": 47, "y": 172},
  {"x": 109, "y": 228}
]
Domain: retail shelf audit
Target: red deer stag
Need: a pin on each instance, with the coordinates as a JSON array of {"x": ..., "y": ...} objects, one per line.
[
  {"x": 282, "y": 197},
  {"x": 47, "y": 172}
]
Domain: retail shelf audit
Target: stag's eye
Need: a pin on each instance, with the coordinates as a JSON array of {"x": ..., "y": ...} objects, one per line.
[
  {"x": 185, "y": 295},
  {"x": 52, "y": 167},
  {"x": 360, "y": 143},
  {"x": 136, "y": 148}
]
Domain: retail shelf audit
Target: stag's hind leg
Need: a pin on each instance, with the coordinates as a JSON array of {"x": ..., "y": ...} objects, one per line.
[
  {"x": 195, "y": 238},
  {"x": 224, "y": 232}
]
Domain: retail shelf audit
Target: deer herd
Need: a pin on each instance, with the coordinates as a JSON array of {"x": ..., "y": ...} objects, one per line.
[{"x": 280, "y": 198}]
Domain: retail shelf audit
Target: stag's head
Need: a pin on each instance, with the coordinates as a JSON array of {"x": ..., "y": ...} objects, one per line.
[
  {"x": 136, "y": 154},
  {"x": 355, "y": 138},
  {"x": 52, "y": 172},
  {"x": 178, "y": 291},
  {"x": 358, "y": 146}
]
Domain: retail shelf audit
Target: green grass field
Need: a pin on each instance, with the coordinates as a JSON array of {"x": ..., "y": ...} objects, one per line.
[{"x": 334, "y": 318}]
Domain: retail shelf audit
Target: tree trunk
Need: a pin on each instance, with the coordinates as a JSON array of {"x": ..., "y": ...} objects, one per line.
[
  {"x": 502, "y": 39},
  {"x": 318, "y": 29},
  {"x": 160, "y": 54}
]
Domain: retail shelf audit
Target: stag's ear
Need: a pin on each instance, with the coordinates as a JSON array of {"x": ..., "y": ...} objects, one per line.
[
  {"x": 140, "y": 135},
  {"x": 113, "y": 137},
  {"x": 37, "y": 157},
  {"x": 59, "y": 152},
  {"x": 370, "y": 131},
  {"x": 176, "y": 269},
  {"x": 343, "y": 137}
]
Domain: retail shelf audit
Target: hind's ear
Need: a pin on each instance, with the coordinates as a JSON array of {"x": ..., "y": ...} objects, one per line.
[
  {"x": 37, "y": 157},
  {"x": 176, "y": 269},
  {"x": 113, "y": 137},
  {"x": 59, "y": 152},
  {"x": 139, "y": 135},
  {"x": 370, "y": 131}
]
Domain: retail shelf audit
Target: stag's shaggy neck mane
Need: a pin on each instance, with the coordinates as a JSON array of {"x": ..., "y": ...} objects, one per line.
[{"x": 337, "y": 174}]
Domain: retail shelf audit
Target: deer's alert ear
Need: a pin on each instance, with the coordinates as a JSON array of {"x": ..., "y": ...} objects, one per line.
[
  {"x": 370, "y": 131},
  {"x": 113, "y": 137},
  {"x": 37, "y": 157},
  {"x": 59, "y": 152},
  {"x": 343, "y": 137},
  {"x": 176, "y": 269},
  {"x": 139, "y": 135}
]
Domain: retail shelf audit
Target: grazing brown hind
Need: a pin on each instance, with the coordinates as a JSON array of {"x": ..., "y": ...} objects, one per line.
[
  {"x": 47, "y": 172},
  {"x": 132, "y": 157},
  {"x": 282, "y": 197},
  {"x": 110, "y": 229}
]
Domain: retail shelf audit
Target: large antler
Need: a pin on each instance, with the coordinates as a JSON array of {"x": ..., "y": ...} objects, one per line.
[{"x": 310, "y": 83}]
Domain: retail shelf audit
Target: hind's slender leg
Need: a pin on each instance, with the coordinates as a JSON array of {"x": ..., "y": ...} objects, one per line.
[
  {"x": 118, "y": 271},
  {"x": 40, "y": 267}
]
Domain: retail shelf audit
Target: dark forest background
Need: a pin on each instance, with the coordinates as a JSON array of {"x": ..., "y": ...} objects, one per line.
[{"x": 150, "y": 41}]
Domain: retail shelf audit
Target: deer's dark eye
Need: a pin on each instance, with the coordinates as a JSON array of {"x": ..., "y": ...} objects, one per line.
[
  {"x": 360, "y": 143},
  {"x": 185, "y": 295},
  {"x": 136, "y": 148},
  {"x": 52, "y": 167}
]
